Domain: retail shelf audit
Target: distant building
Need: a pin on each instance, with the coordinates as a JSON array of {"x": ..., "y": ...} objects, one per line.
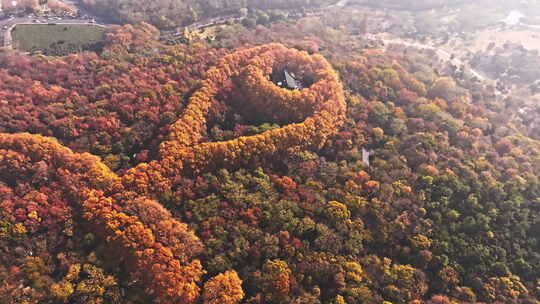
[
  {"x": 188, "y": 34},
  {"x": 513, "y": 18}
]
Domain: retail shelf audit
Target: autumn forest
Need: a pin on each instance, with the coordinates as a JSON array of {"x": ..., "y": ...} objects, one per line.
[{"x": 149, "y": 172}]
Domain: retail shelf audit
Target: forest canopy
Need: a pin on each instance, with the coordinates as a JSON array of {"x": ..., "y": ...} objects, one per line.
[
  {"x": 155, "y": 173},
  {"x": 172, "y": 13}
]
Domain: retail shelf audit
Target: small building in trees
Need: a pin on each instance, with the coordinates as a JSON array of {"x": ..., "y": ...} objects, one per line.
[
  {"x": 290, "y": 82},
  {"x": 365, "y": 157},
  {"x": 44, "y": 6},
  {"x": 286, "y": 80}
]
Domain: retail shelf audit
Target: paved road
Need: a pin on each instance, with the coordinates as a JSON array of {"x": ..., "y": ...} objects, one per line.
[
  {"x": 442, "y": 54},
  {"x": 224, "y": 19},
  {"x": 9, "y": 22}
]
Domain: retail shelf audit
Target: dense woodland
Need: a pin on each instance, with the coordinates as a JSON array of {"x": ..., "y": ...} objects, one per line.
[
  {"x": 415, "y": 5},
  {"x": 172, "y": 13},
  {"x": 180, "y": 174},
  {"x": 56, "y": 6}
]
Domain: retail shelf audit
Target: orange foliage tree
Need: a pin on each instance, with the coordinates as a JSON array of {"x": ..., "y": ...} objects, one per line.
[
  {"x": 159, "y": 248},
  {"x": 225, "y": 288}
]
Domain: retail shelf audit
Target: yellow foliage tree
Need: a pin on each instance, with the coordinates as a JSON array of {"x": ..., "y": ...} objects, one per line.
[{"x": 225, "y": 288}]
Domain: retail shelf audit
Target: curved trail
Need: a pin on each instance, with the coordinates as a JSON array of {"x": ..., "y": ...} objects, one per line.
[{"x": 442, "y": 54}]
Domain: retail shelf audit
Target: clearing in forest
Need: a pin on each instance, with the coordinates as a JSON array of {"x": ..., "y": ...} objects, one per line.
[{"x": 57, "y": 39}]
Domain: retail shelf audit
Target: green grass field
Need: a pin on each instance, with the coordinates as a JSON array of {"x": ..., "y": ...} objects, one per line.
[{"x": 57, "y": 39}]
